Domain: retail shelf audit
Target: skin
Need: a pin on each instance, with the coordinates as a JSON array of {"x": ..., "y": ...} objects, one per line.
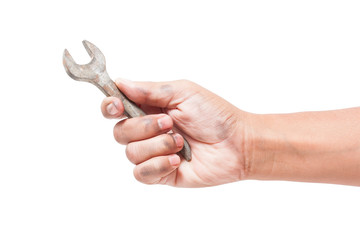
[{"x": 228, "y": 144}]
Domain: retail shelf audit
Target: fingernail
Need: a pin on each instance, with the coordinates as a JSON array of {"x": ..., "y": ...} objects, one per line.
[
  {"x": 116, "y": 102},
  {"x": 111, "y": 109},
  {"x": 174, "y": 160},
  {"x": 178, "y": 140},
  {"x": 165, "y": 122}
]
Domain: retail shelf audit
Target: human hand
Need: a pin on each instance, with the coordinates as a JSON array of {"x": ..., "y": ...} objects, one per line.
[{"x": 215, "y": 130}]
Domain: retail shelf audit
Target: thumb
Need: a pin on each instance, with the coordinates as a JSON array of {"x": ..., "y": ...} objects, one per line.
[{"x": 158, "y": 94}]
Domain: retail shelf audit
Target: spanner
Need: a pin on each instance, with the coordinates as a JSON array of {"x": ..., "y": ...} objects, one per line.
[{"x": 95, "y": 72}]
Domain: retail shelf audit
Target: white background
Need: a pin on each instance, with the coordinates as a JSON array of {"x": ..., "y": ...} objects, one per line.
[{"x": 62, "y": 175}]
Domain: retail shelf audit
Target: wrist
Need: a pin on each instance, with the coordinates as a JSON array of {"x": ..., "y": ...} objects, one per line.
[
  {"x": 290, "y": 147},
  {"x": 262, "y": 145},
  {"x": 254, "y": 144}
]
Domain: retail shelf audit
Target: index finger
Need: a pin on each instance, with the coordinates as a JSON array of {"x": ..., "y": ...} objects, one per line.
[{"x": 112, "y": 107}]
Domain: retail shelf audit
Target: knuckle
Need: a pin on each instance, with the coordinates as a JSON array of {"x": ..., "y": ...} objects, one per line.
[
  {"x": 131, "y": 152},
  {"x": 148, "y": 123},
  {"x": 116, "y": 131},
  {"x": 137, "y": 175},
  {"x": 118, "y": 134},
  {"x": 168, "y": 142},
  {"x": 186, "y": 82},
  {"x": 142, "y": 174}
]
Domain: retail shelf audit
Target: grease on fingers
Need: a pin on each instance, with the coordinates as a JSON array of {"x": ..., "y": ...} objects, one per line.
[{"x": 156, "y": 169}]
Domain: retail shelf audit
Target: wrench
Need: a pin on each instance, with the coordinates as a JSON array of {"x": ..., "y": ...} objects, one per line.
[{"x": 95, "y": 72}]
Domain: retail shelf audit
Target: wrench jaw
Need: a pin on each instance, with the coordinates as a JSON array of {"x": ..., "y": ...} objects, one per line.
[
  {"x": 76, "y": 71},
  {"x": 98, "y": 59},
  {"x": 71, "y": 68},
  {"x": 86, "y": 72}
]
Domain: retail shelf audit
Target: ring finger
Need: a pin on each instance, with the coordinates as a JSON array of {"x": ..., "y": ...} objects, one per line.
[{"x": 140, "y": 151}]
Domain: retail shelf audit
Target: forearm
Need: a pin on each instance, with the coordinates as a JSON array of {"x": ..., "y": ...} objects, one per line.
[{"x": 309, "y": 147}]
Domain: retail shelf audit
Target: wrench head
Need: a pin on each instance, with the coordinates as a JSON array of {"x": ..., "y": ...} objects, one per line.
[{"x": 86, "y": 72}]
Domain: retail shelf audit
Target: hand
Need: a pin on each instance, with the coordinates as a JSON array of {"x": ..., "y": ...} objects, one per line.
[{"x": 215, "y": 130}]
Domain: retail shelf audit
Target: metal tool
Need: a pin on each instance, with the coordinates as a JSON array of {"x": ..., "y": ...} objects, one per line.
[{"x": 95, "y": 72}]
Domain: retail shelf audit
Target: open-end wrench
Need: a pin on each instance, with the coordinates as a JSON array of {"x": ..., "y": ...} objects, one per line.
[{"x": 95, "y": 72}]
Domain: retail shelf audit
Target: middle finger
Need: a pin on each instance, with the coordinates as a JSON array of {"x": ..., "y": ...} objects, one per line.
[
  {"x": 164, "y": 144},
  {"x": 140, "y": 128}
]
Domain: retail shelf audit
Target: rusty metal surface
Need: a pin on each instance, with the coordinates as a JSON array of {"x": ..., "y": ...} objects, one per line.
[{"x": 95, "y": 72}]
